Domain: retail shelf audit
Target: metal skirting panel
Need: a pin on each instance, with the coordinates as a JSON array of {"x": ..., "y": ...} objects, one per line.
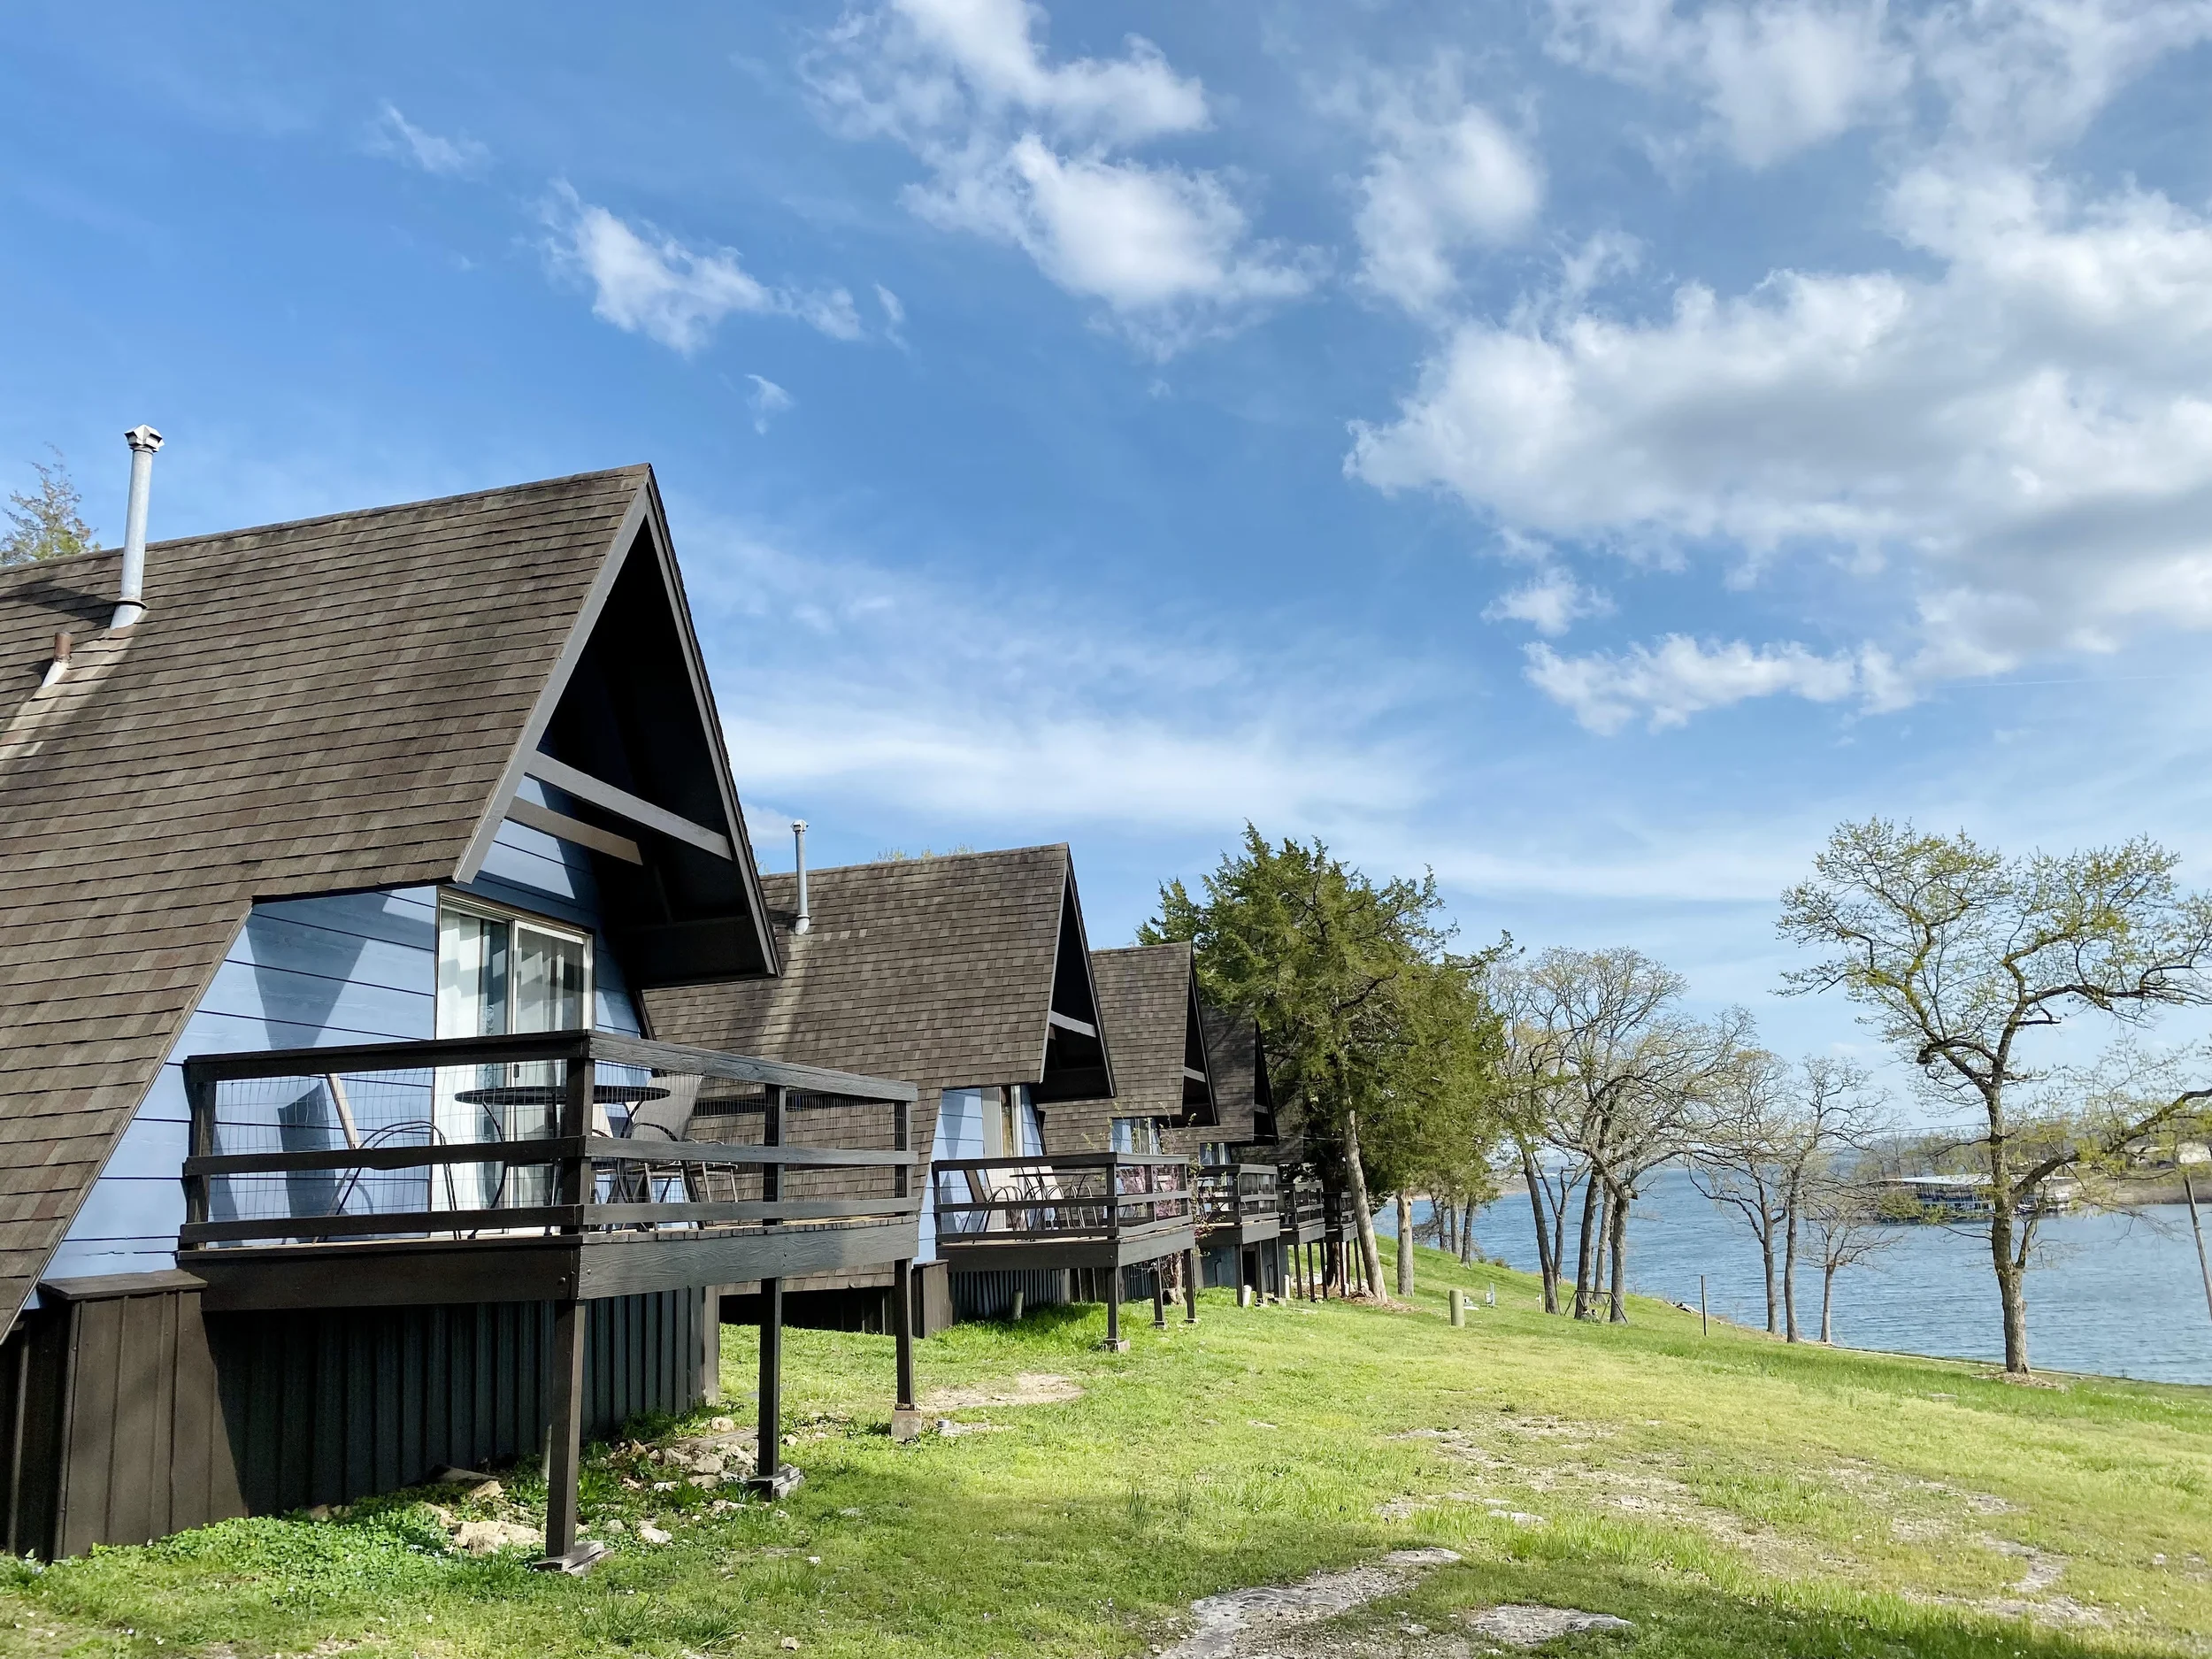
[
  {"x": 128, "y": 1416},
  {"x": 327, "y": 1405},
  {"x": 114, "y": 1430},
  {"x": 991, "y": 1295},
  {"x": 1225, "y": 1267},
  {"x": 863, "y": 1307}
]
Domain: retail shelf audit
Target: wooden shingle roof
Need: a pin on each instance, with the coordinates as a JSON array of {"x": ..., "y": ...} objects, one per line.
[
  {"x": 305, "y": 708},
  {"x": 1146, "y": 1002},
  {"x": 938, "y": 970},
  {"x": 1232, "y": 1045}
]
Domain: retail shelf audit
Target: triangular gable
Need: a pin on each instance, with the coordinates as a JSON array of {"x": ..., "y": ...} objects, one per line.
[
  {"x": 1200, "y": 1108},
  {"x": 1077, "y": 1064},
  {"x": 628, "y": 708}
]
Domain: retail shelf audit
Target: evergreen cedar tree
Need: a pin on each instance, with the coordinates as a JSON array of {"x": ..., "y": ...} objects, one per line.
[
  {"x": 1379, "y": 1037},
  {"x": 1956, "y": 953},
  {"x": 49, "y": 524}
]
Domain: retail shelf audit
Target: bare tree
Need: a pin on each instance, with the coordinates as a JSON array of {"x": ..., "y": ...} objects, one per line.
[
  {"x": 1957, "y": 954},
  {"x": 1741, "y": 1167},
  {"x": 1631, "y": 1079},
  {"x": 1846, "y": 1225}
]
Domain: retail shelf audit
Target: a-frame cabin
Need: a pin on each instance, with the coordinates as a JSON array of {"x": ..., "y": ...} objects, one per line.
[
  {"x": 340, "y": 1146},
  {"x": 969, "y": 974}
]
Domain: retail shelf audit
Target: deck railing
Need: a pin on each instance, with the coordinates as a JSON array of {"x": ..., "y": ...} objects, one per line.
[
  {"x": 1088, "y": 1196},
  {"x": 1232, "y": 1195},
  {"x": 562, "y": 1133},
  {"x": 1305, "y": 1206}
]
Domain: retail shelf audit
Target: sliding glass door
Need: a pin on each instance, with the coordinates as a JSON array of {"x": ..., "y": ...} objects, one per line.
[{"x": 501, "y": 973}]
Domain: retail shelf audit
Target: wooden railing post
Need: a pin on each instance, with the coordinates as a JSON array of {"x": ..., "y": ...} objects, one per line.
[
  {"x": 199, "y": 1094},
  {"x": 573, "y": 1176}
]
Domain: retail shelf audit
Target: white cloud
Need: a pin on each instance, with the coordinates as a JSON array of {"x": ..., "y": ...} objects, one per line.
[
  {"x": 990, "y": 45},
  {"x": 2011, "y": 78},
  {"x": 1774, "y": 78},
  {"x": 2025, "y": 435},
  {"x": 648, "y": 283},
  {"x": 1026, "y": 716},
  {"x": 1033, "y": 154},
  {"x": 395, "y": 135},
  {"x": 766, "y": 400},
  {"x": 1446, "y": 175},
  {"x": 1681, "y": 678},
  {"x": 1160, "y": 245},
  {"x": 1550, "y": 604},
  {"x": 2022, "y": 76}
]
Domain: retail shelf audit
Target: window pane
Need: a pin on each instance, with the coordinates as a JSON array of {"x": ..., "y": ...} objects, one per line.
[
  {"x": 472, "y": 975},
  {"x": 473, "y": 963},
  {"x": 548, "y": 982}
]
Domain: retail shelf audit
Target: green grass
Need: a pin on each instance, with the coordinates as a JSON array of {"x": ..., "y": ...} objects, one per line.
[{"x": 1730, "y": 1496}]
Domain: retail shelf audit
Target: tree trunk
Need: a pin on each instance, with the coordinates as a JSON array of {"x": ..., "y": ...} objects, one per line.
[
  {"x": 2003, "y": 1216},
  {"x": 1466, "y": 1234},
  {"x": 1827, "y": 1301},
  {"x": 1405, "y": 1245},
  {"x": 1766, "y": 1254},
  {"x": 1547, "y": 1258},
  {"x": 1789, "y": 1267},
  {"x": 2011, "y": 1296},
  {"x": 1617, "y": 1312},
  {"x": 1559, "y": 1237},
  {"x": 1370, "y": 1256},
  {"x": 1586, "y": 1271}
]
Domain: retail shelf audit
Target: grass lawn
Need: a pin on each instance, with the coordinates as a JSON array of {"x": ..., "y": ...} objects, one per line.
[{"x": 1729, "y": 1496}]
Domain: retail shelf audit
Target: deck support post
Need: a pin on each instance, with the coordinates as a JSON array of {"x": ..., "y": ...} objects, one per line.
[
  {"x": 564, "y": 1430},
  {"x": 1190, "y": 1286},
  {"x": 1114, "y": 1343},
  {"x": 906, "y": 1417},
  {"x": 906, "y": 1420},
  {"x": 1159, "y": 1296},
  {"x": 565, "y": 1443},
  {"x": 771, "y": 1479}
]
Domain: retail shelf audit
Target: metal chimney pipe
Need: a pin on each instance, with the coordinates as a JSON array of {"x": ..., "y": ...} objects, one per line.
[
  {"x": 131, "y": 601},
  {"x": 803, "y": 922},
  {"x": 59, "y": 666}
]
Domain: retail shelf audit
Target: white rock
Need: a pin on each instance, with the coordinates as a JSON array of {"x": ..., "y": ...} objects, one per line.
[
  {"x": 487, "y": 1537},
  {"x": 651, "y": 1533},
  {"x": 1523, "y": 1626}
]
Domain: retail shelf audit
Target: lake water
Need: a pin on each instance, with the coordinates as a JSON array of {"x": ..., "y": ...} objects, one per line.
[{"x": 2115, "y": 1294}]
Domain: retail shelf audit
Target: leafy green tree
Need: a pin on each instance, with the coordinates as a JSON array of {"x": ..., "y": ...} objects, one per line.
[
  {"x": 49, "y": 524},
  {"x": 1959, "y": 955},
  {"x": 1437, "y": 1125},
  {"x": 1370, "y": 1021}
]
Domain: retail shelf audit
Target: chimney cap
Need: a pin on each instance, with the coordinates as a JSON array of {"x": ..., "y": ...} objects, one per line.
[{"x": 143, "y": 437}]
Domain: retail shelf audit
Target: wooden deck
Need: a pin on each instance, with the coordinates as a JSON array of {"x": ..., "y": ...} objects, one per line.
[
  {"x": 558, "y": 1167},
  {"x": 1085, "y": 1210},
  {"x": 1238, "y": 1204}
]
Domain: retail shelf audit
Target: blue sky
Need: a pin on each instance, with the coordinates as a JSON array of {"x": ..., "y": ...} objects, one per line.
[{"x": 1589, "y": 447}]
